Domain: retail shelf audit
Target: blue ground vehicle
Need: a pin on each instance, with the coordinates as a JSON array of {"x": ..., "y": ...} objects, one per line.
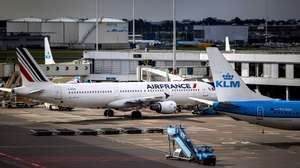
[{"x": 202, "y": 154}]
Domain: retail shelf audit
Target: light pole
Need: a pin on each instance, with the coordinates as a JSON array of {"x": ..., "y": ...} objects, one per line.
[
  {"x": 133, "y": 22},
  {"x": 97, "y": 33},
  {"x": 266, "y": 23},
  {"x": 174, "y": 38}
]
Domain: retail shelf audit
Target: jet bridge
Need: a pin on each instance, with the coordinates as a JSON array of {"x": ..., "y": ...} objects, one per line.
[
  {"x": 66, "y": 69},
  {"x": 151, "y": 74}
]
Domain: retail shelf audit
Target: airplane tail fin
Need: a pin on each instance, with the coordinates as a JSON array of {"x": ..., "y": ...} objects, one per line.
[
  {"x": 30, "y": 70},
  {"x": 229, "y": 86},
  {"x": 48, "y": 53},
  {"x": 227, "y": 44}
]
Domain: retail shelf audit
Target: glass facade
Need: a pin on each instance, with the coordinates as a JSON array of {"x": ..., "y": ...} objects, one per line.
[
  {"x": 296, "y": 70},
  {"x": 281, "y": 70},
  {"x": 238, "y": 68}
]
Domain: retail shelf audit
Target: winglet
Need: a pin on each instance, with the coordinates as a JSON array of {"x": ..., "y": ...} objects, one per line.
[
  {"x": 227, "y": 44},
  {"x": 167, "y": 95}
]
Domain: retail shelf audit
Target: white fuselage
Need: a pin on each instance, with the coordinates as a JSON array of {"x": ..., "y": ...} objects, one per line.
[{"x": 97, "y": 95}]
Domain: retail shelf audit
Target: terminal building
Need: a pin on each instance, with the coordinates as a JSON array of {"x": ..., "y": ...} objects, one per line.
[
  {"x": 274, "y": 75},
  {"x": 217, "y": 33},
  {"x": 64, "y": 32}
]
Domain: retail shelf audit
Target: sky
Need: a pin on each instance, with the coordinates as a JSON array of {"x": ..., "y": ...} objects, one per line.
[{"x": 152, "y": 10}]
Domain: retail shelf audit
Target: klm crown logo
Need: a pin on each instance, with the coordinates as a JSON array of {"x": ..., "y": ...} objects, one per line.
[
  {"x": 227, "y": 76},
  {"x": 48, "y": 55},
  {"x": 227, "y": 82}
]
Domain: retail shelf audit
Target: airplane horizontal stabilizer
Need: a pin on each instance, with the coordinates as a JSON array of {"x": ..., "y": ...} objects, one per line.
[
  {"x": 35, "y": 91},
  {"x": 208, "y": 102},
  {"x": 6, "y": 89},
  {"x": 140, "y": 101}
]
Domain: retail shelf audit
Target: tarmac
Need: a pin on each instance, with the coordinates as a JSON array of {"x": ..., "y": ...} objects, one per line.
[{"x": 236, "y": 143}]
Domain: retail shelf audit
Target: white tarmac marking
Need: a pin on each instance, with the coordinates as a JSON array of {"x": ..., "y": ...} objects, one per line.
[{"x": 201, "y": 129}]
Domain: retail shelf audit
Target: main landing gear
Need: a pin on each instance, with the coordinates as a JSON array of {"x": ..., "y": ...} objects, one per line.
[
  {"x": 179, "y": 108},
  {"x": 109, "y": 113},
  {"x": 136, "y": 114}
]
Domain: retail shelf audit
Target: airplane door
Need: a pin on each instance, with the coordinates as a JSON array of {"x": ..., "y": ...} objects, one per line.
[
  {"x": 58, "y": 95},
  {"x": 116, "y": 92},
  {"x": 204, "y": 92},
  {"x": 260, "y": 113}
]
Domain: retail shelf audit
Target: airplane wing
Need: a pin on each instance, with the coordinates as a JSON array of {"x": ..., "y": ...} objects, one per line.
[
  {"x": 30, "y": 92},
  {"x": 144, "y": 100},
  {"x": 225, "y": 105},
  {"x": 139, "y": 101},
  {"x": 6, "y": 89}
]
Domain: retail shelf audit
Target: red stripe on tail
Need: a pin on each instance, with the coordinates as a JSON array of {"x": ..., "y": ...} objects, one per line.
[{"x": 25, "y": 73}]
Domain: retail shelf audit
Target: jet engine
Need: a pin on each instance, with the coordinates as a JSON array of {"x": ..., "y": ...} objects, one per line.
[{"x": 165, "y": 107}]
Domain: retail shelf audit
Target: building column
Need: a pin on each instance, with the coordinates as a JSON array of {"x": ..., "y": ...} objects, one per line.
[
  {"x": 287, "y": 93},
  {"x": 257, "y": 89},
  {"x": 138, "y": 73},
  {"x": 245, "y": 69}
]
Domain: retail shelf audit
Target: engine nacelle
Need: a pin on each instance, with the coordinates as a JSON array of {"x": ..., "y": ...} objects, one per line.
[{"x": 165, "y": 107}]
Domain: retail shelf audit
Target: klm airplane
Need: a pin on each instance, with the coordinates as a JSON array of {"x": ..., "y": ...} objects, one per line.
[
  {"x": 238, "y": 101},
  {"x": 48, "y": 53}
]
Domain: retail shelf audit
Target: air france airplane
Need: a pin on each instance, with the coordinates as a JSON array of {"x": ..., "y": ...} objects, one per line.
[
  {"x": 162, "y": 97},
  {"x": 239, "y": 102}
]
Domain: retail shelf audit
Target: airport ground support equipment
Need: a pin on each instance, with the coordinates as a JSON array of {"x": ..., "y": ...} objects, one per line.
[
  {"x": 203, "y": 154},
  {"x": 51, "y": 107}
]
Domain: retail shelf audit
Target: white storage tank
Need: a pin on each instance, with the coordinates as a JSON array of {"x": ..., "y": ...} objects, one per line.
[
  {"x": 61, "y": 30},
  {"x": 26, "y": 25},
  {"x": 111, "y": 31}
]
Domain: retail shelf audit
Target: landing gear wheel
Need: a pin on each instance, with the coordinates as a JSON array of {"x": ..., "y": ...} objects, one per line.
[
  {"x": 136, "y": 115},
  {"x": 60, "y": 108},
  {"x": 179, "y": 108},
  {"x": 110, "y": 113}
]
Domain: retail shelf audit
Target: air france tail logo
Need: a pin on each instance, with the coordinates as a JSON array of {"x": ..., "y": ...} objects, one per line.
[{"x": 227, "y": 82}]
